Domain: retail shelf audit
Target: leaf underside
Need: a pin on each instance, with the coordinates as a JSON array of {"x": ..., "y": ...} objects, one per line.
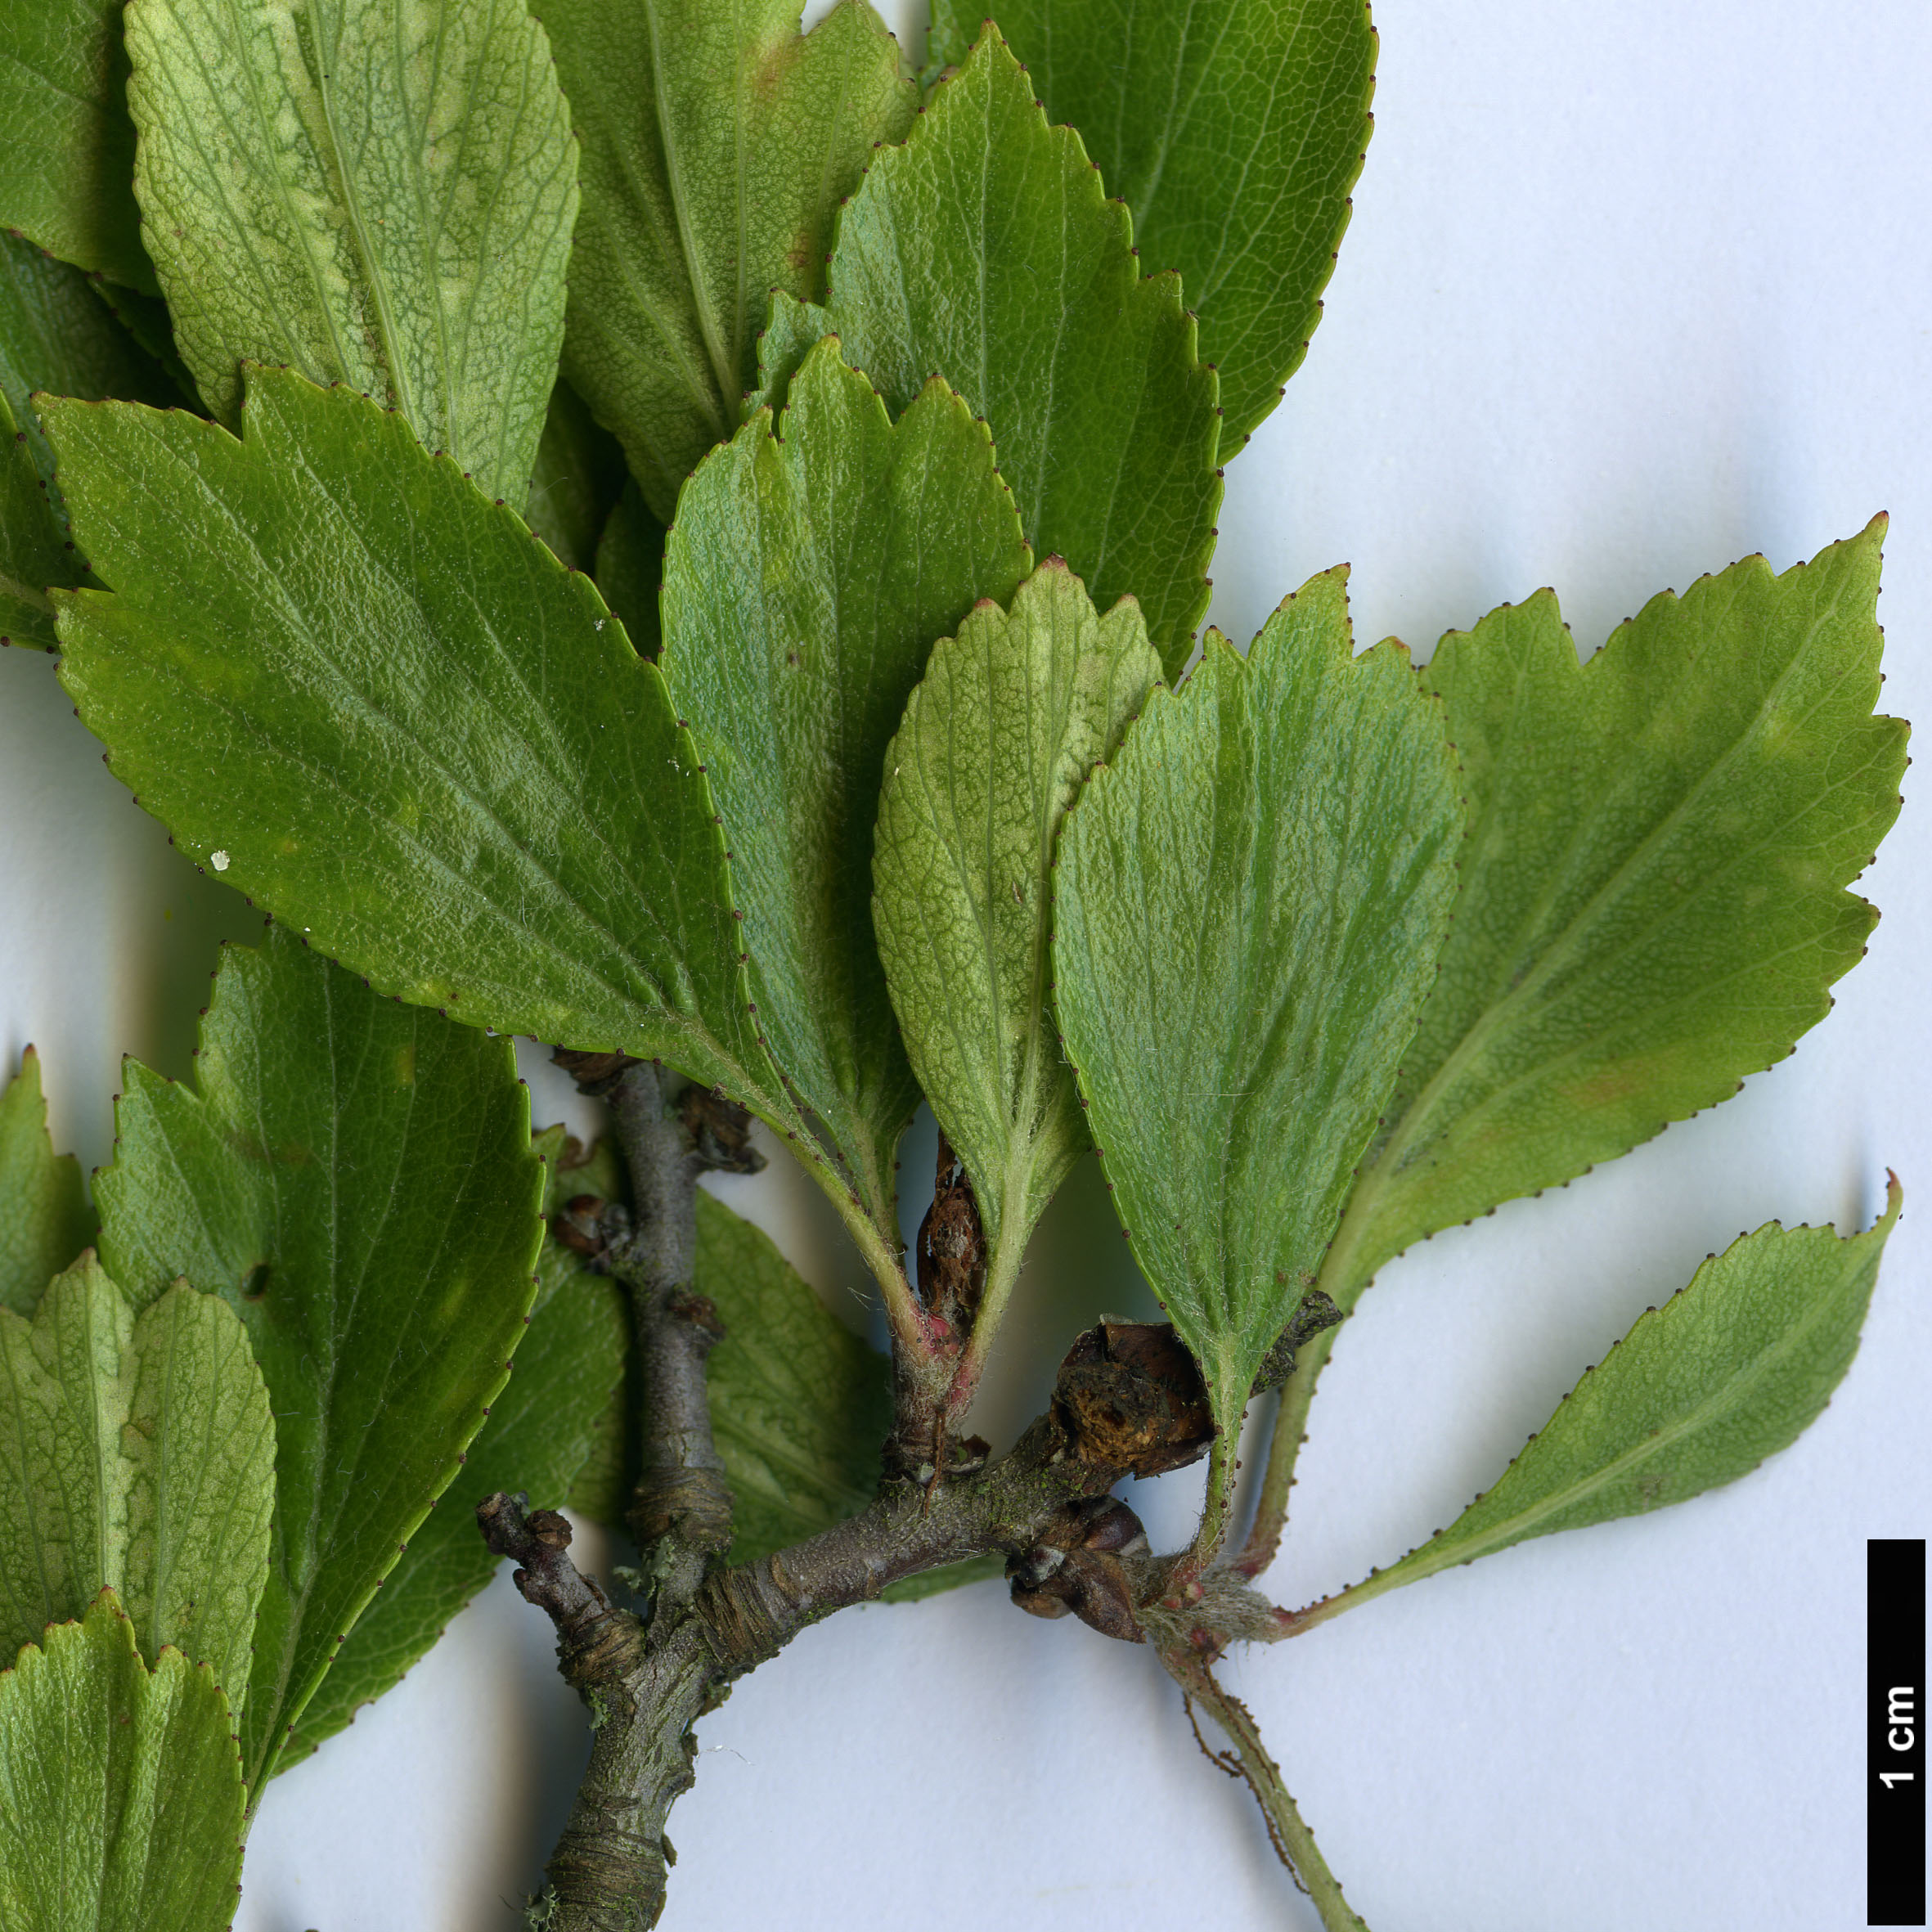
[
  {"x": 809, "y": 575},
  {"x": 120, "y": 1789},
  {"x": 1233, "y": 130},
  {"x": 1653, "y": 895},
  {"x": 355, "y": 1177},
  {"x": 985, "y": 250},
  {"x": 375, "y": 192},
  {"x": 66, "y": 143},
  {"x": 136, "y": 1453},
  {"x": 1248, "y": 904},
  {"x": 45, "y": 1220},
  {"x": 1009, "y": 718},
  {"x": 717, "y": 143},
  {"x": 1734, "y": 1368}
]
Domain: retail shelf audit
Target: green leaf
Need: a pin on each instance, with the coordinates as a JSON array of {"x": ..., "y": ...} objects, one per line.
[
  {"x": 33, "y": 554},
  {"x": 367, "y": 698},
  {"x": 53, "y": 335},
  {"x": 630, "y": 568},
  {"x": 372, "y": 193},
  {"x": 950, "y": 1576},
  {"x": 1734, "y": 1368},
  {"x": 66, "y": 143},
  {"x": 356, "y": 1178},
  {"x": 1010, "y": 717},
  {"x": 579, "y": 473},
  {"x": 1652, "y": 898},
  {"x": 808, "y": 577},
  {"x": 537, "y": 1437},
  {"x": 45, "y": 1220},
  {"x": 1233, "y": 130},
  {"x": 137, "y": 1454},
  {"x": 986, "y": 249},
  {"x": 717, "y": 142},
  {"x": 1249, "y": 904},
  {"x": 145, "y": 317},
  {"x": 601, "y": 1487},
  {"x": 799, "y": 1405},
  {"x": 120, "y": 1789}
]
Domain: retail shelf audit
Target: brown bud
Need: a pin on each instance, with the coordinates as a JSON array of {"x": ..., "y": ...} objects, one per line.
[
  {"x": 951, "y": 1247},
  {"x": 579, "y": 1227},
  {"x": 593, "y": 1073},
  {"x": 1077, "y": 1566},
  {"x": 1130, "y": 1396},
  {"x": 721, "y": 1131}
]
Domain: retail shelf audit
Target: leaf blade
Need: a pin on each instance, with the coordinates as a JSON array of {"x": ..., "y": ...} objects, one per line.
[
  {"x": 1652, "y": 900},
  {"x": 139, "y": 1456},
  {"x": 55, "y": 335},
  {"x": 1234, "y": 131},
  {"x": 1247, "y": 908},
  {"x": 1729, "y": 1371},
  {"x": 66, "y": 142},
  {"x": 120, "y": 1789},
  {"x": 372, "y": 193},
  {"x": 559, "y": 857},
  {"x": 45, "y": 1219},
  {"x": 355, "y": 1177},
  {"x": 1009, "y": 718},
  {"x": 984, "y": 249},
  {"x": 871, "y": 541},
  {"x": 800, "y": 1405},
  {"x": 537, "y": 1438},
  {"x": 682, "y": 106}
]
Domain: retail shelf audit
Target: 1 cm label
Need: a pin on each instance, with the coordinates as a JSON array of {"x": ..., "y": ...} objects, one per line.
[{"x": 1901, "y": 1719}]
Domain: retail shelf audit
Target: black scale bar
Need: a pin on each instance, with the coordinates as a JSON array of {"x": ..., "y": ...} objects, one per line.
[{"x": 1895, "y": 1734}]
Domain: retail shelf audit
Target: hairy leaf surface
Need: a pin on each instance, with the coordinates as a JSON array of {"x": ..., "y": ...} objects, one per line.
[
  {"x": 120, "y": 1789},
  {"x": 66, "y": 143},
  {"x": 372, "y": 702},
  {"x": 717, "y": 143},
  {"x": 375, "y": 192},
  {"x": 1249, "y": 904},
  {"x": 137, "y": 1454},
  {"x": 1732, "y": 1369},
  {"x": 356, "y": 1178},
  {"x": 1233, "y": 130},
  {"x": 809, "y": 574},
  {"x": 985, "y": 250},
  {"x": 45, "y": 1220},
  {"x": 1010, "y": 717},
  {"x": 55, "y": 335},
  {"x": 799, "y": 1404},
  {"x": 1652, "y": 900}
]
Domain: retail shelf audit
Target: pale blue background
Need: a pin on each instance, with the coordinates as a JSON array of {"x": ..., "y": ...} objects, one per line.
[{"x": 1632, "y": 290}]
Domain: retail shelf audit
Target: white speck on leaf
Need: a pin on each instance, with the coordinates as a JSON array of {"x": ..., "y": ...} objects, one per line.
[{"x": 220, "y": 860}]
